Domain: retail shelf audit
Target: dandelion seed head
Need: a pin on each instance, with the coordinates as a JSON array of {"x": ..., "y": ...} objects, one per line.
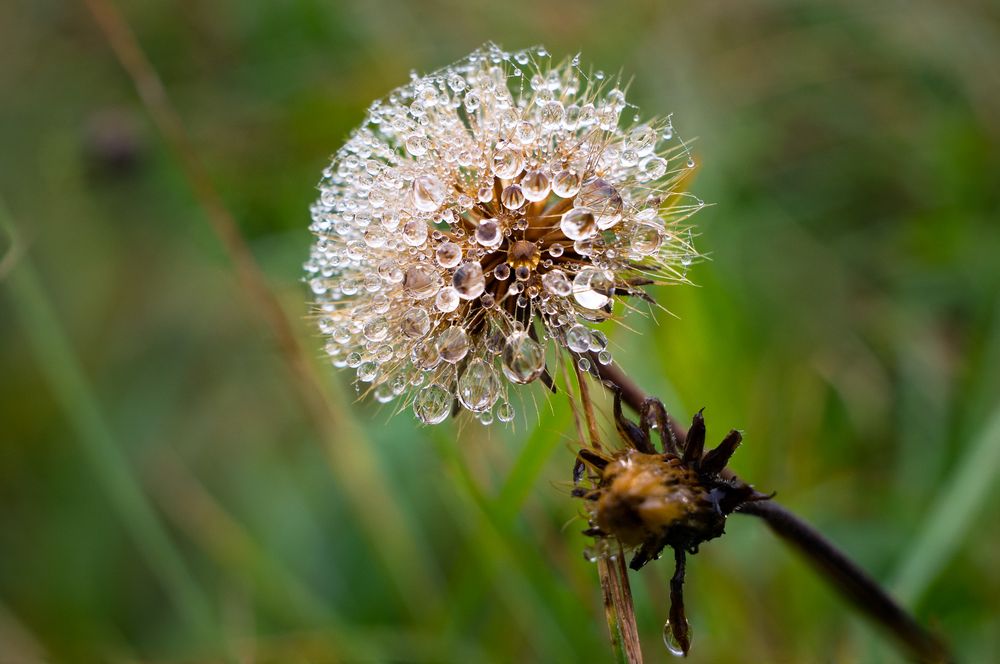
[{"x": 482, "y": 221}]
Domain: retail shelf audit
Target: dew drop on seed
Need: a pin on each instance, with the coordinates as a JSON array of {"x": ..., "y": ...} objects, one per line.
[
  {"x": 512, "y": 197},
  {"x": 523, "y": 358},
  {"x": 453, "y": 344},
  {"x": 592, "y": 288},
  {"x": 448, "y": 254},
  {"x": 557, "y": 283},
  {"x": 488, "y": 233},
  {"x": 578, "y": 223},
  {"x": 432, "y": 404},
  {"x": 428, "y": 193},
  {"x": 566, "y": 184},
  {"x": 469, "y": 281},
  {"x": 578, "y": 338},
  {"x": 447, "y": 300},
  {"x": 478, "y": 387},
  {"x": 535, "y": 186}
]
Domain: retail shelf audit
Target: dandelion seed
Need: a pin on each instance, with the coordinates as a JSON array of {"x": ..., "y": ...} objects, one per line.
[{"x": 479, "y": 224}]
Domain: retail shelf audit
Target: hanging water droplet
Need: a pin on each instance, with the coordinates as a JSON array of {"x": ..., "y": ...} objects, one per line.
[
  {"x": 432, "y": 404},
  {"x": 453, "y": 344},
  {"x": 501, "y": 271},
  {"x": 505, "y": 412},
  {"x": 376, "y": 329},
  {"x": 646, "y": 239},
  {"x": 592, "y": 287},
  {"x": 421, "y": 282},
  {"x": 578, "y": 338},
  {"x": 523, "y": 358},
  {"x": 415, "y": 232},
  {"x": 603, "y": 200},
  {"x": 367, "y": 371},
  {"x": 478, "y": 387},
  {"x": 670, "y": 641}
]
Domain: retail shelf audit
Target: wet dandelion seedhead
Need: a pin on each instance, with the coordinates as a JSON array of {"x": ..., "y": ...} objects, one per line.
[{"x": 484, "y": 219}]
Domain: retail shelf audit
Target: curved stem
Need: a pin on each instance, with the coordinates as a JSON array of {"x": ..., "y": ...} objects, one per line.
[{"x": 852, "y": 582}]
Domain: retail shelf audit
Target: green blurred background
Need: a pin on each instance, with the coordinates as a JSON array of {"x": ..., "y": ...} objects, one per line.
[{"x": 166, "y": 496}]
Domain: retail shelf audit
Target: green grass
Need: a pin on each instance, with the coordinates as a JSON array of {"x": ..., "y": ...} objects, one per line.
[{"x": 165, "y": 494}]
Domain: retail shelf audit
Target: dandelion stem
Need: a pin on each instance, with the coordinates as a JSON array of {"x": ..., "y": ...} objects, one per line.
[
  {"x": 617, "y": 594},
  {"x": 852, "y": 582}
]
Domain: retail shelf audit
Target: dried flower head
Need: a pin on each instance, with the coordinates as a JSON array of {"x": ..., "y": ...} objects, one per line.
[
  {"x": 485, "y": 217},
  {"x": 645, "y": 500}
]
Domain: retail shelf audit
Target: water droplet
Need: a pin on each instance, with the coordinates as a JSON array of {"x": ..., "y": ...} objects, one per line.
[
  {"x": 525, "y": 133},
  {"x": 367, "y": 371},
  {"x": 592, "y": 287},
  {"x": 425, "y": 356},
  {"x": 421, "y": 282},
  {"x": 432, "y": 404},
  {"x": 453, "y": 344},
  {"x": 646, "y": 239},
  {"x": 512, "y": 197},
  {"x": 469, "y": 280},
  {"x": 448, "y": 254},
  {"x": 523, "y": 358},
  {"x": 447, "y": 300},
  {"x": 604, "y": 357},
  {"x": 584, "y": 364},
  {"x": 603, "y": 200},
  {"x": 598, "y": 340},
  {"x": 428, "y": 193},
  {"x": 578, "y": 339},
  {"x": 478, "y": 387},
  {"x": 416, "y": 323},
  {"x": 472, "y": 101},
  {"x": 670, "y": 641},
  {"x": 535, "y": 185},
  {"x": 488, "y": 233},
  {"x": 578, "y": 223},
  {"x": 652, "y": 168},
  {"x": 507, "y": 163},
  {"x": 556, "y": 250},
  {"x": 417, "y": 145},
  {"x": 505, "y": 412},
  {"x": 566, "y": 184},
  {"x": 376, "y": 329},
  {"x": 501, "y": 271},
  {"x": 485, "y": 194},
  {"x": 557, "y": 283},
  {"x": 415, "y": 232}
]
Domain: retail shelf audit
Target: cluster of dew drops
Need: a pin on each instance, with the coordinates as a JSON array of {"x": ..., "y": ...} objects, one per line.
[{"x": 476, "y": 202}]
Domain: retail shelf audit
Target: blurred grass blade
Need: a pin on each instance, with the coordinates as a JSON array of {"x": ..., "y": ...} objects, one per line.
[
  {"x": 65, "y": 377},
  {"x": 953, "y": 513}
]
